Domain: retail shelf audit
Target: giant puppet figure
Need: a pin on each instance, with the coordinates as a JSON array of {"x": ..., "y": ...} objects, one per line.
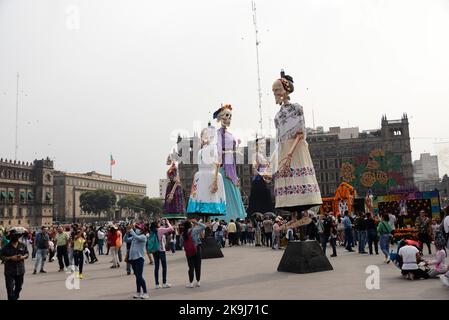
[
  {"x": 296, "y": 187},
  {"x": 260, "y": 200},
  {"x": 226, "y": 145},
  {"x": 174, "y": 200},
  {"x": 208, "y": 195}
]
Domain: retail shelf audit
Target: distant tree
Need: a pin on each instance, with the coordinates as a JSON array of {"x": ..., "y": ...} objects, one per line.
[
  {"x": 152, "y": 207},
  {"x": 98, "y": 201},
  {"x": 130, "y": 202}
]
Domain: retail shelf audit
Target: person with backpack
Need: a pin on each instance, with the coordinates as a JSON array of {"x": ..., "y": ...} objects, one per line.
[
  {"x": 192, "y": 248},
  {"x": 42, "y": 245},
  {"x": 156, "y": 245},
  {"x": 384, "y": 230},
  {"x": 136, "y": 236},
  {"x": 424, "y": 227}
]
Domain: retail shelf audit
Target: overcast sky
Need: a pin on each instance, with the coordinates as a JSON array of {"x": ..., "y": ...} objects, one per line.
[{"x": 115, "y": 76}]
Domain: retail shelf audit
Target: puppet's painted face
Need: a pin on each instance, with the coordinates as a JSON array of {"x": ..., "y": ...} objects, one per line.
[
  {"x": 226, "y": 118},
  {"x": 280, "y": 95},
  {"x": 262, "y": 145},
  {"x": 169, "y": 161}
]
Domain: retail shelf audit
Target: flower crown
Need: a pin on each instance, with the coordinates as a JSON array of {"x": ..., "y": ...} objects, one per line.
[{"x": 223, "y": 107}]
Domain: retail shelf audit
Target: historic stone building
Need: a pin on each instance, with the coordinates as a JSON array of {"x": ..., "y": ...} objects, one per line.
[
  {"x": 26, "y": 193},
  {"x": 69, "y": 186},
  {"x": 380, "y": 159}
]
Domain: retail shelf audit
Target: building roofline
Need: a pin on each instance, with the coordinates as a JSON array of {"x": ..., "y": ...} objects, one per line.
[{"x": 102, "y": 178}]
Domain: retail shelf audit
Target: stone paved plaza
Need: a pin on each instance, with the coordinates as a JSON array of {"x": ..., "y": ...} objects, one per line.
[{"x": 244, "y": 273}]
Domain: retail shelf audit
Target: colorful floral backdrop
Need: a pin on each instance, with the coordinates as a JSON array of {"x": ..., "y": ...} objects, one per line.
[{"x": 376, "y": 171}]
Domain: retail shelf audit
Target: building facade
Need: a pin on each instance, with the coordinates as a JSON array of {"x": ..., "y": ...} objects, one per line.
[
  {"x": 426, "y": 173},
  {"x": 26, "y": 193},
  {"x": 379, "y": 160},
  {"x": 69, "y": 186}
]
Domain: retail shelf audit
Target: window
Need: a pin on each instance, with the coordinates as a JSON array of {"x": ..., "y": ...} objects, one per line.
[
  {"x": 10, "y": 213},
  {"x": 331, "y": 164},
  {"x": 2, "y": 212}
]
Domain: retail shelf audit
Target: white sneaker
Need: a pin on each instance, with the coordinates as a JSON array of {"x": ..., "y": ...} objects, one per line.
[
  {"x": 189, "y": 285},
  {"x": 158, "y": 286},
  {"x": 444, "y": 280},
  {"x": 166, "y": 285},
  {"x": 137, "y": 296},
  {"x": 198, "y": 284},
  {"x": 144, "y": 296}
]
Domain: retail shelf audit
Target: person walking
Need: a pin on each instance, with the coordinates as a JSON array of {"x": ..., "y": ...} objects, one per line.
[
  {"x": 136, "y": 236},
  {"x": 276, "y": 234},
  {"x": 42, "y": 246},
  {"x": 79, "y": 244},
  {"x": 219, "y": 236},
  {"x": 192, "y": 248},
  {"x": 348, "y": 231},
  {"x": 268, "y": 230},
  {"x": 384, "y": 230},
  {"x": 100, "y": 236},
  {"x": 160, "y": 254},
  {"x": 115, "y": 242},
  {"x": 371, "y": 229},
  {"x": 232, "y": 233},
  {"x": 91, "y": 242},
  {"x": 424, "y": 227},
  {"x": 62, "y": 243},
  {"x": 360, "y": 225},
  {"x": 14, "y": 255},
  {"x": 128, "y": 239}
]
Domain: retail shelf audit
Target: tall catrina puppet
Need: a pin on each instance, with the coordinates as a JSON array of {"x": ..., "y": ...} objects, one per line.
[
  {"x": 208, "y": 196},
  {"x": 174, "y": 199},
  {"x": 260, "y": 199},
  {"x": 226, "y": 145},
  {"x": 296, "y": 187}
]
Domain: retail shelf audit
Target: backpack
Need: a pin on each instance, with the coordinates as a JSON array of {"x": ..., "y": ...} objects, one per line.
[
  {"x": 153, "y": 243},
  {"x": 189, "y": 245},
  {"x": 441, "y": 237},
  {"x": 42, "y": 241}
]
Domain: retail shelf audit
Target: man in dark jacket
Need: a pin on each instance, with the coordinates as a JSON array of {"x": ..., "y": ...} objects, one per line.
[
  {"x": 14, "y": 255},
  {"x": 361, "y": 227}
]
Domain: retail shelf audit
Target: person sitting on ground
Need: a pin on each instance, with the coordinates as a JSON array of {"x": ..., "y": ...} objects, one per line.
[
  {"x": 410, "y": 257},
  {"x": 440, "y": 267}
]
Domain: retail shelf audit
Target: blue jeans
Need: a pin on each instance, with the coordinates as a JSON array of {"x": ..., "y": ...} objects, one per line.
[
  {"x": 41, "y": 256},
  {"x": 137, "y": 266},
  {"x": 220, "y": 240},
  {"x": 372, "y": 239},
  {"x": 159, "y": 257},
  {"x": 348, "y": 239},
  {"x": 100, "y": 246},
  {"x": 362, "y": 234},
  {"x": 385, "y": 244}
]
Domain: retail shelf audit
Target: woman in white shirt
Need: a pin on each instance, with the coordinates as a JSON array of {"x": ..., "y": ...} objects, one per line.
[{"x": 410, "y": 258}]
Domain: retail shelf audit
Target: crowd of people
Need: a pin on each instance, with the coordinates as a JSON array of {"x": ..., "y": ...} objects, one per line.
[{"x": 77, "y": 245}]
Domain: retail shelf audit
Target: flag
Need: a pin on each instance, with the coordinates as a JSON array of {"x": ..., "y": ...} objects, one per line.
[{"x": 112, "y": 161}]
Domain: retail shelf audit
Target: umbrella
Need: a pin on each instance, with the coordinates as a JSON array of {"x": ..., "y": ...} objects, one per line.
[
  {"x": 257, "y": 215},
  {"x": 19, "y": 229},
  {"x": 270, "y": 215}
]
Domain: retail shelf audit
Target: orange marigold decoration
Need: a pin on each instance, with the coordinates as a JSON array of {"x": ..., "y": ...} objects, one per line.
[
  {"x": 382, "y": 177},
  {"x": 368, "y": 179}
]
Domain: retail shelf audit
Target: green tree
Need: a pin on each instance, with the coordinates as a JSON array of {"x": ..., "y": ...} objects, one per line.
[
  {"x": 152, "y": 207},
  {"x": 131, "y": 203},
  {"x": 98, "y": 201}
]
